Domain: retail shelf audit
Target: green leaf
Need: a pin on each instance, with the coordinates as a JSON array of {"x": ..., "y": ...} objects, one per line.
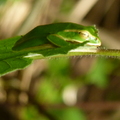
[
  {"x": 14, "y": 60},
  {"x": 10, "y": 61},
  {"x": 13, "y": 64}
]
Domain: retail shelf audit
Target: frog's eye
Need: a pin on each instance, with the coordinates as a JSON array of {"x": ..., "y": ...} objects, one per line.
[{"x": 84, "y": 34}]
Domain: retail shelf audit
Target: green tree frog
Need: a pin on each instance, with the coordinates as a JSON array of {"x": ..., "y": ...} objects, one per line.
[{"x": 58, "y": 35}]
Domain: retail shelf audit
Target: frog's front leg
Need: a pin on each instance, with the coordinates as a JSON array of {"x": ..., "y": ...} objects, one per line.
[{"x": 58, "y": 40}]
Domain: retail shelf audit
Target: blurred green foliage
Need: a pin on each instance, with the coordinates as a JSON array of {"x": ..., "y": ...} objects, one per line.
[
  {"x": 2, "y": 2},
  {"x": 100, "y": 71},
  {"x": 54, "y": 81},
  {"x": 69, "y": 114},
  {"x": 30, "y": 113},
  {"x": 67, "y": 5},
  {"x": 57, "y": 77}
]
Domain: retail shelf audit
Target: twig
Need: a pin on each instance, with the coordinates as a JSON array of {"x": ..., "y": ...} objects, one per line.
[
  {"x": 114, "y": 53},
  {"x": 91, "y": 106}
]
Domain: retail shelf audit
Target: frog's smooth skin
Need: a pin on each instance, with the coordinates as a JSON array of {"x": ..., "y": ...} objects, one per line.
[{"x": 59, "y": 35}]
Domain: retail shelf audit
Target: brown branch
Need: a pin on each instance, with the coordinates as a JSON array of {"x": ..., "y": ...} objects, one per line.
[{"x": 91, "y": 106}]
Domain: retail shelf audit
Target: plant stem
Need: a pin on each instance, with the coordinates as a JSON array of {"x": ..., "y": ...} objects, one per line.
[{"x": 114, "y": 53}]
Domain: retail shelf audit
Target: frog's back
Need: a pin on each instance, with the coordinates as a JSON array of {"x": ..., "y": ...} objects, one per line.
[{"x": 38, "y": 35}]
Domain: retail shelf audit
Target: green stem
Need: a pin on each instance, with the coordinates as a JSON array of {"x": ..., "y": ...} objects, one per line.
[{"x": 114, "y": 53}]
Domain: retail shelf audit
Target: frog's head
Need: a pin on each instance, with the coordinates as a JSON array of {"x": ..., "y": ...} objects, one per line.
[{"x": 88, "y": 33}]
